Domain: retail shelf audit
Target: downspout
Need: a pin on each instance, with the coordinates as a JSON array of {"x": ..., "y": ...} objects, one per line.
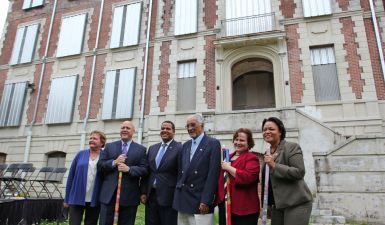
[
  {"x": 378, "y": 38},
  {"x": 84, "y": 131},
  {"x": 44, "y": 61},
  {"x": 141, "y": 119}
]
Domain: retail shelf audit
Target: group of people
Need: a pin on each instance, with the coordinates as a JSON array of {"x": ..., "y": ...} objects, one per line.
[{"x": 182, "y": 184}]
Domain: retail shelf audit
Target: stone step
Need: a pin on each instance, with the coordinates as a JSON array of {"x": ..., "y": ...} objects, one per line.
[{"x": 328, "y": 219}]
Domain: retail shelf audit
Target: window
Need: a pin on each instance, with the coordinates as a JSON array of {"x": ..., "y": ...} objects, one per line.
[
  {"x": 119, "y": 92},
  {"x": 71, "y": 35},
  {"x": 61, "y": 100},
  {"x": 24, "y": 46},
  {"x": 316, "y": 8},
  {"x": 3, "y": 157},
  {"x": 186, "y": 16},
  {"x": 126, "y": 25},
  {"x": 324, "y": 74},
  {"x": 56, "y": 159},
  {"x": 186, "y": 99},
  {"x": 248, "y": 16},
  {"x": 12, "y": 103},
  {"x": 32, "y": 3}
]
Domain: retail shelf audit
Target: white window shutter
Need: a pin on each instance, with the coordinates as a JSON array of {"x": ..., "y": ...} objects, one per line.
[
  {"x": 186, "y": 16},
  {"x": 186, "y": 69},
  {"x": 29, "y": 43},
  {"x": 116, "y": 31},
  {"x": 119, "y": 92},
  {"x": 61, "y": 100},
  {"x": 108, "y": 99},
  {"x": 71, "y": 35},
  {"x": 132, "y": 24},
  {"x": 313, "y": 8},
  {"x": 125, "y": 95},
  {"x": 37, "y": 3},
  {"x": 17, "y": 46},
  {"x": 27, "y": 4},
  {"x": 12, "y": 103}
]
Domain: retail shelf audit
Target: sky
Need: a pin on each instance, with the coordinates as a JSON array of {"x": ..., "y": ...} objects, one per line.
[{"x": 3, "y": 14}]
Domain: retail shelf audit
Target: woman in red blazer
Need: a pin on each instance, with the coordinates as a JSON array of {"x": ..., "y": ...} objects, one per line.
[{"x": 243, "y": 169}]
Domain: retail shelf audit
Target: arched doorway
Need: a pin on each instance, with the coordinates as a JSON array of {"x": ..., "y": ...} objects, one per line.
[{"x": 253, "y": 84}]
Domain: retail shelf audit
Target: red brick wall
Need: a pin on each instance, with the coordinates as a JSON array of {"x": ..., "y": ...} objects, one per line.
[
  {"x": 43, "y": 95},
  {"x": 167, "y": 14},
  {"x": 3, "y": 78},
  {"x": 210, "y": 13},
  {"x": 365, "y": 5},
  {"x": 97, "y": 86},
  {"x": 209, "y": 71},
  {"x": 154, "y": 16},
  {"x": 16, "y": 17},
  {"x": 147, "y": 100},
  {"x": 375, "y": 59},
  {"x": 287, "y": 8},
  {"x": 295, "y": 63},
  {"x": 105, "y": 26},
  {"x": 352, "y": 57},
  {"x": 343, "y": 4},
  {"x": 164, "y": 75}
]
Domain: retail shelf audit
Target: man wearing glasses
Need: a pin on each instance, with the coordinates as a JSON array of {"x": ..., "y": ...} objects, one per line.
[{"x": 199, "y": 165}]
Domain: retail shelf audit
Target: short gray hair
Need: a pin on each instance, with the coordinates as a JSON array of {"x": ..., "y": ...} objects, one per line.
[{"x": 199, "y": 118}]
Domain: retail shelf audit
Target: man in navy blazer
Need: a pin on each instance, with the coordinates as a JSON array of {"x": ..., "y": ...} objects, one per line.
[
  {"x": 199, "y": 166},
  {"x": 129, "y": 158},
  {"x": 158, "y": 188}
]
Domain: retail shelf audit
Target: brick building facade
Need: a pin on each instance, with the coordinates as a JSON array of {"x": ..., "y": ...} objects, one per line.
[{"x": 221, "y": 58}]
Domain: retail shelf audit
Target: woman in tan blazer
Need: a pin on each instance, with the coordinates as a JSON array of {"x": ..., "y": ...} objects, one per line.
[{"x": 289, "y": 196}]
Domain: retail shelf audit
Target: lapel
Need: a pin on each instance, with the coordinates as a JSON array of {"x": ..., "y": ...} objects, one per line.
[
  {"x": 167, "y": 154},
  {"x": 118, "y": 148},
  {"x": 186, "y": 155},
  {"x": 153, "y": 153},
  {"x": 198, "y": 153},
  {"x": 281, "y": 148}
]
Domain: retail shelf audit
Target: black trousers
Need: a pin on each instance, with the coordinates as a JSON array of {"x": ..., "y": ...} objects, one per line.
[
  {"x": 127, "y": 214},
  {"x": 76, "y": 214},
  {"x": 251, "y": 219},
  {"x": 159, "y": 215}
]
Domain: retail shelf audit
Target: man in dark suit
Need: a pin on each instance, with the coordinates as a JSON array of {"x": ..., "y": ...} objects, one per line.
[
  {"x": 158, "y": 188},
  {"x": 199, "y": 166},
  {"x": 127, "y": 157}
]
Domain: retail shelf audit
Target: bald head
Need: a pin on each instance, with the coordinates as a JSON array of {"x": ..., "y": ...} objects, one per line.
[{"x": 127, "y": 130}]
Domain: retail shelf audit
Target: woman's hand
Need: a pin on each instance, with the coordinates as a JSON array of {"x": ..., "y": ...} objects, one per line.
[
  {"x": 226, "y": 166},
  {"x": 269, "y": 159}
]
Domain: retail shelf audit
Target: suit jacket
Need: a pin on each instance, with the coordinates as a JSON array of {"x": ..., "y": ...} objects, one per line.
[
  {"x": 136, "y": 160},
  {"x": 165, "y": 175},
  {"x": 197, "y": 180},
  {"x": 288, "y": 185},
  {"x": 244, "y": 187}
]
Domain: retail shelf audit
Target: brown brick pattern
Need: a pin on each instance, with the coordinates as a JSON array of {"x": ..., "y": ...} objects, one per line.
[
  {"x": 365, "y": 4},
  {"x": 147, "y": 100},
  {"x": 154, "y": 15},
  {"x": 97, "y": 87},
  {"x": 287, "y": 8},
  {"x": 295, "y": 63},
  {"x": 167, "y": 13},
  {"x": 43, "y": 100},
  {"x": 375, "y": 59},
  {"x": 164, "y": 75},
  {"x": 3, "y": 78},
  {"x": 352, "y": 56},
  {"x": 343, "y": 4},
  {"x": 210, "y": 13},
  {"x": 209, "y": 71}
]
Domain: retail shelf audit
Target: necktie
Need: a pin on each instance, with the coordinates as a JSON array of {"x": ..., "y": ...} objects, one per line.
[
  {"x": 193, "y": 149},
  {"x": 160, "y": 155},
  {"x": 125, "y": 148}
]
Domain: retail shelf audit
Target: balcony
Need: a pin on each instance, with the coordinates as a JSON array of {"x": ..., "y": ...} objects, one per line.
[
  {"x": 249, "y": 30},
  {"x": 248, "y": 25}
]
